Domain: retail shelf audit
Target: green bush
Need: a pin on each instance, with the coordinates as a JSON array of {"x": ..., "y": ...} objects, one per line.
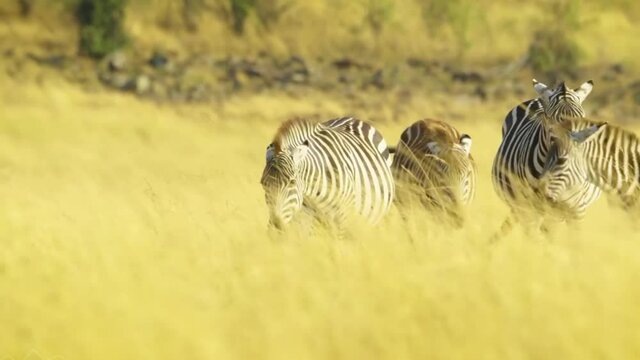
[
  {"x": 553, "y": 53},
  {"x": 240, "y": 10},
  {"x": 266, "y": 12},
  {"x": 460, "y": 16},
  {"x": 101, "y": 26}
]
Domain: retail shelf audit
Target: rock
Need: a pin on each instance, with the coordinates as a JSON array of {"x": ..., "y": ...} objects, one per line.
[
  {"x": 158, "y": 60},
  {"x": 253, "y": 71},
  {"x": 118, "y": 81},
  {"x": 158, "y": 89},
  {"x": 480, "y": 92},
  {"x": 617, "y": 68},
  {"x": 199, "y": 92},
  {"x": 240, "y": 71},
  {"x": 294, "y": 70},
  {"x": 466, "y": 76},
  {"x": 635, "y": 91},
  {"x": 56, "y": 61},
  {"x": 417, "y": 63},
  {"x": 344, "y": 79},
  {"x": 377, "y": 79},
  {"x": 299, "y": 78},
  {"x": 142, "y": 84},
  {"x": 345, "y": 63},
  {"x": 612, "y": 72},
  {"x": 117, "y": 61}
]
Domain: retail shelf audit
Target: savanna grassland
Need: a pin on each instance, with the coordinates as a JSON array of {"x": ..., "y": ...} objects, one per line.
[
  {"x": 136, "y": 229},
  {"x": 132, "y": 230}
]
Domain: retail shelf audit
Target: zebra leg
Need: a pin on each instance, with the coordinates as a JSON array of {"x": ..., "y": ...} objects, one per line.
[
  {"x": 404, "y": 211},
  {"x": 547, "y": 228},
  {"x": 338, "y": 226},
  {"x": 405, "y": 204},
  {"x": 333, "y": 223},
  {"x": 505, "y": 228},
  {"x": 454, "y": 216}
]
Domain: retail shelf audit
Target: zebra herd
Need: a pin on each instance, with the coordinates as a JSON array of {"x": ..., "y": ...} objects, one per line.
[{"x": 552, "y": 163}]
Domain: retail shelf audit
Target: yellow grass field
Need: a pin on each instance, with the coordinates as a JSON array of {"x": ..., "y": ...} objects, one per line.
[{"x": 135, "y": 230}]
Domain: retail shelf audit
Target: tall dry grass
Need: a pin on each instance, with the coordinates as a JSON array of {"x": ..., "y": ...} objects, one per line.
[{"x": 136, "y": 230}]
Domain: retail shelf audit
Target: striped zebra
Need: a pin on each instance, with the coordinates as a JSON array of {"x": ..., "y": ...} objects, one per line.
[
  {"x": 433, "y": 165},
  {"x": 333, "y": 168},
  {"x": 526, "y": 140},
  {"x": 587, "y": 153}
]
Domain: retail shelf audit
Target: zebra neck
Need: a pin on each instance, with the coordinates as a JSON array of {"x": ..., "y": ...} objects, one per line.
[{"x": 296, "y": 135}]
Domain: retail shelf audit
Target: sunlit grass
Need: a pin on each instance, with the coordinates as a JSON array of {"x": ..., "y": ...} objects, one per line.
[{"x": 137, "y": 230}]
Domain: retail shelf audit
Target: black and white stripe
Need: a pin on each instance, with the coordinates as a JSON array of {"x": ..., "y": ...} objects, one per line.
[
  {"x": 521, "y": 160},
  {"x": 334, "y": 168},
  {"x": 433, "y": 165},
  {"x": 587, "y": 154}
]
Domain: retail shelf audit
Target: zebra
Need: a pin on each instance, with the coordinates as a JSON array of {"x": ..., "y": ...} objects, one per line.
[
  {"x": 332, "y": 168},
  {"x": 526, "y": 140},
  {"x": 586, "y": 154},
  {"x": 433, "y": 164}
]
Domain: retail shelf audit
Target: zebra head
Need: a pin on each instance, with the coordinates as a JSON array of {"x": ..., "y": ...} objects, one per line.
[
  {"x": 562, "y": 101},
  {"x": 455, "y": 167},
  {"x": 567, "y": 163},
  {"x": 282, "y": 184}
]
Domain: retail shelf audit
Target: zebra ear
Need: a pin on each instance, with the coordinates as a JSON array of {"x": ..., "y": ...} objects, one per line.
[
  {"x": 584, "y": 90},
  {"x": 270, "y": 152},
  {"x": 465, "y": 141},
  {"x": 543, "y": 90},
  {"x": 300, "y": 152},
  {"x": 434, "y": 147},
  {"x": 587, "y": 134}
]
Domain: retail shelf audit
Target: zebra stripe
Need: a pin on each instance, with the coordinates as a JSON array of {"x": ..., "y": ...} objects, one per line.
[
  {"x": 333, "y": 168},
  {"x": 521, "y": 160},
  {"x": 433, "y": 164},
  {"x": 595, "y": 153}
]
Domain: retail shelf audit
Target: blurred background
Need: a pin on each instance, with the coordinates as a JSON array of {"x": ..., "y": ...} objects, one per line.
[
  {"x": 210, "y": 50},
  {"x": 133, "y": 224}
]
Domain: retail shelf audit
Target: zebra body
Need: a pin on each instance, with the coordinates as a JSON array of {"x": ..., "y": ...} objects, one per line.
[
  {"x": 521, "y": 160},
  {"x": 333, "y": 168},
  {"x": 433, "y": 164}
]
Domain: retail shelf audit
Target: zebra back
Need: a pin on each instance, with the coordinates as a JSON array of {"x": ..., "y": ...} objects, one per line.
[
  {"x": 362, "y": 130},
  {"x": 343, "y": 166}
]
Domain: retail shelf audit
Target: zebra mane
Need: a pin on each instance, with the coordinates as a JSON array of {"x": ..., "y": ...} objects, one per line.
[
  {"x": 290, "y": 130},
  {"x": 441, "y": 130},
  {"x": 436, "y": 130}
]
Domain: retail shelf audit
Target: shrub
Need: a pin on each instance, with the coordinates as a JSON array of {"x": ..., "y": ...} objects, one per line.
[
  {"x": 457, "y": 15},
  {"x": 379, "y": 13},
  {"x": 270, "y": 11},
  {"x": 553, "y": 53},
  {"x": 101, "y": 26},
  {"x": 25, "y": 7},
  {"x": 240, "y": 10}
]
